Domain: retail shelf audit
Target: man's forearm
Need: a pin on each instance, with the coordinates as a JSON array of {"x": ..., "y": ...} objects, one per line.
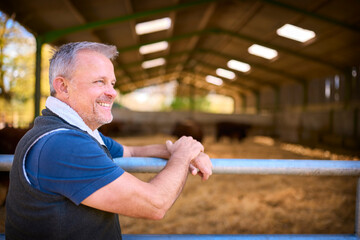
[
  {"x": 171, "y": 180},
  {"x": 155, "y": 150}
]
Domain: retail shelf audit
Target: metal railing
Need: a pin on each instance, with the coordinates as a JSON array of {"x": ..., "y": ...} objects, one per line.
[{"x": 246, "y": 166}]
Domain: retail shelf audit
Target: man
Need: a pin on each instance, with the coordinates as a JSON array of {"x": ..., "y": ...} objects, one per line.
[{"x": 63, "y": 183}]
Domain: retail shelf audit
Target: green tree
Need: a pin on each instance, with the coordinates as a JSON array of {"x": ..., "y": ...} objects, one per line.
[
  {"x": 185, "y": 103},
  {"x": 17, "y": 77}
]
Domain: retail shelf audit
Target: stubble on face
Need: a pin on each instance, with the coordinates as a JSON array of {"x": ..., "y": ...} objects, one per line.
[
  {"x": 95, "y": 118},
  {"x": 91, "y": 101}
]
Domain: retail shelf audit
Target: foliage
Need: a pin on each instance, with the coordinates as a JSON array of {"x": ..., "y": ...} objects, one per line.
[
  {"x": 186, "y": 103},
  {"x": 17, "y": 73}
]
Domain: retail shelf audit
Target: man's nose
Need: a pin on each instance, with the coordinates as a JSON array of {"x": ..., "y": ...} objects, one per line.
[{"x": 111, "y": 92}]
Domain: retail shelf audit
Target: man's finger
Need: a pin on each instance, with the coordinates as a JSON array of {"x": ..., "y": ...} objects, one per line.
[
  {"x": 168, "y": 145},
  {"x": 193, "y": 169}
]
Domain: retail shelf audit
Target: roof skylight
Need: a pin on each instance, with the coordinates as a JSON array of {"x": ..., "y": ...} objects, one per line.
[
  {"x": 153, "y": 63},
  {"x": 239, "y": 66},
  {"x": 153, "y": 47},
  {"x": 225, "y": 73},
  {"x": 214, "y": 80},
  {"x": 295, "y": 33},
  {"x": 153, "y": 26},
  {"x": 262, "y": 51}
]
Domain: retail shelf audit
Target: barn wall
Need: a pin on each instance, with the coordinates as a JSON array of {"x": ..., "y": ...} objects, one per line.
[
  {"x": 267, "y": 100},
  {"x": 164, "y": 122},
  {"x": 326, "y": 118},
  {"x": 330, "y": 116}
]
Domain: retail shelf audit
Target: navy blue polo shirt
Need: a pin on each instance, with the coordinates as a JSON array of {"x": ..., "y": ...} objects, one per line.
[{"x": 72, "y": 164}]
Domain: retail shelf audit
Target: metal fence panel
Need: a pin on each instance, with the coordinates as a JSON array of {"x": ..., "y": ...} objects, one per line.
[{"x": 246, "y": 166}]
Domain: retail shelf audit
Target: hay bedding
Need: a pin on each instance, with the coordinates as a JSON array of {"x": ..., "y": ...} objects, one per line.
[{"x": 253, "y": 204}]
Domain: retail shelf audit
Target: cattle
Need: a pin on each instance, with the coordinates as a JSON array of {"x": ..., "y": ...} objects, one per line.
[
  {"x": 9, "y": 138},
  {"x": 188, "y": 127},
  {"x": 113, "y": 129},
  {"x": 232, "y": 130}
]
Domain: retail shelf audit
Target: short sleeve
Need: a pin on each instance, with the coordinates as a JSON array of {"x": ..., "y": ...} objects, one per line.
[
  {"x": 70, "y": 163},
  {"x": 116, "y": 149}
]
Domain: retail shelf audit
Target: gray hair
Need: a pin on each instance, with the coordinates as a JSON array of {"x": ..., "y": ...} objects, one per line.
[{"x": 62, "y": 62}]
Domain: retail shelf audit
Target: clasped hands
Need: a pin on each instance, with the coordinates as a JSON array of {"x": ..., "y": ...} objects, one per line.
[{"x": 200, "y": 163}]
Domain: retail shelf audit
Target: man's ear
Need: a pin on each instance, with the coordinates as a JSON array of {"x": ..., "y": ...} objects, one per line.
[{"x": 60, "y": 85}]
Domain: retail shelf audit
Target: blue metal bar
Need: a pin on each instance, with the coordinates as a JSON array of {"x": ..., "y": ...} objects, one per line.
[
  {"x": 246, "y": 166},
  {"x": 255, "y": 166},
  {"x": 242, "y": 237},
  {"x": 235, "y": 237},
  {"x": 6, "y": 162},
  {"x": 239, "y": 166}
]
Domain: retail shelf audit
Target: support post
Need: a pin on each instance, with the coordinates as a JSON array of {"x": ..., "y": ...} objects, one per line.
[
  {"x": 277, "y": 98},
  {"x": 37, "y": 95},
  {"x": 305, "y": 94},
  {"x": 243, "y": 102},
  {"x": 257, "y": 102},
  {"x": 348, "y": 88},
  {"x": 357, "y": 214}
]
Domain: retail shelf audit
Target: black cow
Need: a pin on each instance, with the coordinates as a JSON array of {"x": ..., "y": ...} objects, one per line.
[
  {"x": 9, "y": 138},
  {"x": 113, "y": 129},
  {"x": 188, "y": 128},
  {"x": 232, "y": 130}
]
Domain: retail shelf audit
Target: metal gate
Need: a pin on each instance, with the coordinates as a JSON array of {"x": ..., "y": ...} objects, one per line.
[{"x": 246, "y": 166}]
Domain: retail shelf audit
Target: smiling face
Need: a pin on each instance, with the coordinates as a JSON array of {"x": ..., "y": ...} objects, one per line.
[{"x": 90, "y": 90}]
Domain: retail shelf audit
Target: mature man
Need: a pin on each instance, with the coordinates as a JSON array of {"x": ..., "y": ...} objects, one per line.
[{"x": 63, "y": 183}]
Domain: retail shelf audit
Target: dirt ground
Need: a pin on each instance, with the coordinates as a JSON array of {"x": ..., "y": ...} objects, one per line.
[
  {"x": 253, "y": 204},
  {"x": 256, "y": 204}
]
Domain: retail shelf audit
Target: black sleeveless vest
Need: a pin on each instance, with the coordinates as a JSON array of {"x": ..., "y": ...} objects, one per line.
[{"x": 32, "y": 214}]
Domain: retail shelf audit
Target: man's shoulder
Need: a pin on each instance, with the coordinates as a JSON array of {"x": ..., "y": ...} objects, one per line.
[
  {"x": 65, "y": 147},
  {"x": 64, "y": 139},
  {"x": 66, "y": 133}
]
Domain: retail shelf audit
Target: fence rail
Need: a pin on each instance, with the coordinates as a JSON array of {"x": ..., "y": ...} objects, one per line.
[
  {"x": 246, "y": 166},
  {"x": 243, "y": 237},
  {"x": 239, "y": 166}
]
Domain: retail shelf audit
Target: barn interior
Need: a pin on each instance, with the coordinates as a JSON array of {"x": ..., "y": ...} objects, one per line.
[
  {"x": 305, "y": 91},
  {"x": 302, "y": 91}
]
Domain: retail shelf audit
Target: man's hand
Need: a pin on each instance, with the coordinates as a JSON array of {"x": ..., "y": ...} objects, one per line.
[
  {"x": 185, "y": 147},
  {"x": 200, "y": 164}
]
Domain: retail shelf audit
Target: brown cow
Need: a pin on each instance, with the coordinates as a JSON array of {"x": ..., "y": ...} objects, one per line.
[
  {"x": 232, "y": 130},
  {"x": 188, "y": 128},
  {"x": 9, "y": 138}
]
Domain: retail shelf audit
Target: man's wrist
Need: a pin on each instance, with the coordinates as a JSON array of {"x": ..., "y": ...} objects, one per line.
[{"x": 179, "y": 157}]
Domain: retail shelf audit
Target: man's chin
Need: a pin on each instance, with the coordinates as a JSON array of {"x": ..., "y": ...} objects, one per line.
[{"x": 107, "y": 120}]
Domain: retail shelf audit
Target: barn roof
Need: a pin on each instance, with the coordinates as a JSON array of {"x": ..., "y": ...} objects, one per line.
[{"x": 205, "y": 35}]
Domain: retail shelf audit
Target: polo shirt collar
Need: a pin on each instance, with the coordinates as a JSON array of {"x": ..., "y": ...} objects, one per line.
[{"x": 71, "y": 116}]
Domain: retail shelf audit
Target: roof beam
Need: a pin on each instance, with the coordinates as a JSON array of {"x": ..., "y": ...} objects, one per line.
[
  {"x": 246, "y": 38},
  {"x": 129, "y": 9},
  {"x": 226, "y": 56},
  {"x": 240, "y": 89},
  {"x": 202, "y": 24},
  {"x": 150, "y": 81},
  {"x": 228, "y": 82},
  {"x": 278, "y": 47},
  {"x": 209, "y": 87},
  {"x": 81, "y": 19},
  {"x": 332, "y": 21},
  {"x": 56, "y": 34},
  {"x": 257, "y": 80},
  {"x": 168, "y": 39},
  {"x": 170, "y": 32},
  {"x": 256, "y": 65}
]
